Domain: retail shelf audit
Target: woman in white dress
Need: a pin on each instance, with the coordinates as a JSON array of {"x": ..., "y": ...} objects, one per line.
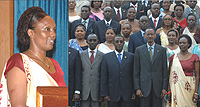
[
  {"x": 107, "y": 46},
  {"x": 172, "y": 47}
]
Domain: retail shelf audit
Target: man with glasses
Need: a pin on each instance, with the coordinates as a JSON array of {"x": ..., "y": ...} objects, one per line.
[{"x": 117, "y": 76}]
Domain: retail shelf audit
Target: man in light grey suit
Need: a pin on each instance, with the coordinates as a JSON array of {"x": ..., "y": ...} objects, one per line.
[
  {"x": 91, "y": 64},
  {"x": 192, "y": 8},
  {"x": 150, "y": 72}
]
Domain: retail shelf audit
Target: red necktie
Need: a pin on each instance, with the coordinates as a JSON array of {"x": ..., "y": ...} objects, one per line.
[
  {"x": 92, "y": 56},
  {"x": 155, "y": 23},
  {"x": 118, "y": 15}
]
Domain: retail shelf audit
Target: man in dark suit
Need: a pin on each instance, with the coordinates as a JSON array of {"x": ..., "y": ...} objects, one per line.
[
  {"x": 74, "y": 76},
  {"x": 102, "y": 25},
  {"x": 118, "y": 13},
  {"x": 137, "y": 39},
  {"x": 91, "y": 64},
  {"x": 143, "y": 7},
  {"x": 156, "y": 19},
  {"x": 85, "y": 20},
  {"x": 150, "y": 72},
  {"x": 117, "y": 76}
]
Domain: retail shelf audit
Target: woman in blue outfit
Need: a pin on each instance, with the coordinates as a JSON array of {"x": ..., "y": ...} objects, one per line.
[{"x": 79, "y": 43}]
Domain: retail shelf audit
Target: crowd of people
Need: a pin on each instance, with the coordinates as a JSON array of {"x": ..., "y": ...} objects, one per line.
[
  {"x": 134, "y": 54},
  {"x": 140, "y": 53}
]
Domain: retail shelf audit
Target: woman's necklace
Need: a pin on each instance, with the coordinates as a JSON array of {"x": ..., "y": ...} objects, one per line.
[
  {"x": 79, "y": 42},
  {"x": 108, "y": 43},
  {"x": 184, "y": 55},
  {"x": 40, "y": 59}
]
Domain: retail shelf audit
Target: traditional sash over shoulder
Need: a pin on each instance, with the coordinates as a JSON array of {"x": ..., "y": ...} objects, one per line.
[
  {"x": 36, "y": 76},
  {"x": 182, "y": 87}
]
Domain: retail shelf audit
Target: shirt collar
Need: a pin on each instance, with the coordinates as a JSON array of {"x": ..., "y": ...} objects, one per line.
[
  {"x": 108, "y": 22},
  {"x": 95, "y": 50},
  {"x": 120, "y": 52},
  {"x": 150, "y": 46},
  {"x": 142, "y": 32},
  {"x": 85, "y": 20},
  {"x": 155, "y": 18},
  {"x": 131, "y": 4},
  {"x": 116, "y": 9}
]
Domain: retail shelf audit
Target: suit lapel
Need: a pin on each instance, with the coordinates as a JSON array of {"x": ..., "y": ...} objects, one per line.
[
  {"x": 86, "y": 56},
  {"x": 115, "y": 57},
  {"x": 96, "y": 57},
  {"x": 152, "y": 23},
  {"x": 156, "y": 51},
  {"x": 146, "y": 53},
  {"x": 89, "y": 24},
  {"x": 140, "y": 36},
  {"x": 159, "y": 22},
  {"x": 124, "y": 58}
]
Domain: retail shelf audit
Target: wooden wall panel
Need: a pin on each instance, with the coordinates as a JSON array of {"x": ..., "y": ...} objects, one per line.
[{"x": 6, "y": 31}]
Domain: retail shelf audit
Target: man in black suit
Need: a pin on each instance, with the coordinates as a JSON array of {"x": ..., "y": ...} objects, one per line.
[
  {"x": 143, "y": 7},
  {"x": 156, "y": 19},
  {"x": 74, "y": 75},
  {"x": 137, "y": 39},
  {"x": 85, "y": 20},
  {"x": 118, "y": 13},
  {"x": 150, "y": 72},
  {"x": 102, "y": 25},
  {"x": 117, "y": 76}
]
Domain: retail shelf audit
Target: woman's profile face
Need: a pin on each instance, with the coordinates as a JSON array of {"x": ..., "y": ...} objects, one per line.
[
  {"x": 191, "y": 21},
  {"x": 131, "y": 13},
  {"x": 183, "y": 44},
  {"x": 110, "y": 34},
  {"x": 171, "y": 37},
  {"x": 178, "y": 11},
  {"x": 44, "y": 33},
  {"x": 80, "y": 32},
  {"x": 167, "y": 20}
]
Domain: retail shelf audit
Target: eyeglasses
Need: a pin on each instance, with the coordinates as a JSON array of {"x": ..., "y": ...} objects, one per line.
[{"x": 167, "y": 19}]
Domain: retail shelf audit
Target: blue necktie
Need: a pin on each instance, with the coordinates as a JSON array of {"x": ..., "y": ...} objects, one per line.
[{"x": 119, "y": 57}]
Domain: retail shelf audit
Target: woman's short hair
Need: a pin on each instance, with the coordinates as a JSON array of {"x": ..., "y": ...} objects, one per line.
[
  {"x": 127, "y": 24},
  {"x": 172, "y": 30},
  {"x": 27, "y": 21},
  {"x": 188, "y": 39},
  {"x": 172, "y": 24},
  {"x": 80, "y": 25},
  {"x": 111, "y": 29},
  {"x": 92, "y": 5},
  {"x": 191, "y": 14},
  {"x": 179, "y": 5}
]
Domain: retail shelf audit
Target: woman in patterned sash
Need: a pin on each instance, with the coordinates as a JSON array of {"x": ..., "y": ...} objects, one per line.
[
  {"x": 25, "y": 71},
  {"x": 183, "y": 83}
]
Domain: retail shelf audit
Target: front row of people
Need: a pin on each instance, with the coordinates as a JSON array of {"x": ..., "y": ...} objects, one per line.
[{"x": 119, "y": 76}]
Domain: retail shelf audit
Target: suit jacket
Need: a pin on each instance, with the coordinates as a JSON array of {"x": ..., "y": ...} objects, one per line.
[
  {"x": 147, "y": 73},
  {"x": 142, "y": 10},
  {"x": 123, "y": 12},
  {"x": 74, "y": 72},
  {"x": 188, "y": 11},
  {"x": 158, "y": 25},
  {"x": 90, "y": 27},
  {"x": 91, "y": 75},
  {"x": 137, "y": 40},
  {"x": 100, "y": 29},
  {"x": 116, "y": 78}
]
